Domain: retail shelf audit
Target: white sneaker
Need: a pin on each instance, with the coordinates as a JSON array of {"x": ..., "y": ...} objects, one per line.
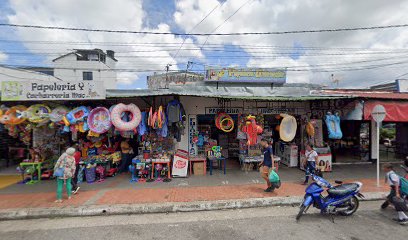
[{"x": 76, "y": 190}]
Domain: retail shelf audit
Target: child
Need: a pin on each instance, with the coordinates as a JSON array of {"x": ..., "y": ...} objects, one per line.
[{"x": 67, "y": 162}]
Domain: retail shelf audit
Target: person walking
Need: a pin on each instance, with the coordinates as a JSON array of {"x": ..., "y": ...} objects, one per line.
[
  {"x": 392, "y": 179},
  {"x": 77, "y": 157},
  {"x": 65, "y": 163},
  {"x": 311, "y": 162},
  {"x": 267, "y": 164}
]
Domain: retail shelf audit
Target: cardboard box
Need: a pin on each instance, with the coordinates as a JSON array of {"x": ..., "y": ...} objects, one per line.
[{"x": 198, "y": 168}]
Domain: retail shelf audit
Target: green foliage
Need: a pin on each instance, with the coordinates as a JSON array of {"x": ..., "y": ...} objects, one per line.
[{"x": 387, "y": 133}]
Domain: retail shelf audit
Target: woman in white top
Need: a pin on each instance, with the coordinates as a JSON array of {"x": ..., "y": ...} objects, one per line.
[{"x": 311, "y": 161}]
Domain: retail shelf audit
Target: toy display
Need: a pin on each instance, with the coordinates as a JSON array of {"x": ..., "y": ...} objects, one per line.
[
  {"x": 37, "y": 113},
  {"x": 99, "y": 120},
  {"x": 252, "y": 130},
  {"x": 116, "y": 116},
  {"x": 288, "y": 127},
  {"x": 10, "y": 117},
  {"x": 333, "y": 126},
  {"x": 224, "y": 122}
]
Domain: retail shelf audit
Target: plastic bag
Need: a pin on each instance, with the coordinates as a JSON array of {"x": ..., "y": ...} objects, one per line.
[{"x": 274, "y": 177}]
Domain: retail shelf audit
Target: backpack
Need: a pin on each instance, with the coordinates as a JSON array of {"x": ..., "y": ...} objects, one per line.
[{"x": 403, "y": 185}]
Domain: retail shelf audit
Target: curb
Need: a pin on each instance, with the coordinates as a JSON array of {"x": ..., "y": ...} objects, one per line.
[{"x": 171, "y": 207}]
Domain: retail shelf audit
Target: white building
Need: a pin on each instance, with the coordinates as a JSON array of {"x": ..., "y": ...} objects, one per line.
[
  {"x": 87, "y": 65},
  {"x": 20, "y": 74}
]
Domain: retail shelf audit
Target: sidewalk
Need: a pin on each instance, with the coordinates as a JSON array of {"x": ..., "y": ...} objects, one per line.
[{"x": 237, "y": 189}]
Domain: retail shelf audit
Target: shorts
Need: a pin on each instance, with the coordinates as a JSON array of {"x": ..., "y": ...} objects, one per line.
[{"x": 265, "y": 170}]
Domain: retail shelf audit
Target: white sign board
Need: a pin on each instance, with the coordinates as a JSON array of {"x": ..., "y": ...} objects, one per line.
[
  {"x": 215, "y": 110},
  {"x": 47, "y": 90},
  {"x": 180, "y": 166},
  {"x": 378, "y": 113}
]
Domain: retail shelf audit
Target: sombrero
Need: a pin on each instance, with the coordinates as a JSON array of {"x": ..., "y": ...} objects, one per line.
[{"x": 288, "y": 126}]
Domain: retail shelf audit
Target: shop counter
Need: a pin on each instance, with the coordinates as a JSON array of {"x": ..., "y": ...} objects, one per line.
[
  {"x": 194, "y": 159},
  {"x": 163, "y": 163}
]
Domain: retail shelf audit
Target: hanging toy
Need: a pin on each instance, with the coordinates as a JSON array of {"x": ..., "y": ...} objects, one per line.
[
  {"x": 310, "y": 130},
  {"x": 57, "y": 114},
  {"x": 333, "y": 125},
  {"x": 224, "y": 122},
  {"x": 99, "y": 120},
  {"x": 288, "y": 127},
  {"x": 252, "y": 130},
  {"x": 11, "y": 117},
  {"x": 116, "y": 116}
]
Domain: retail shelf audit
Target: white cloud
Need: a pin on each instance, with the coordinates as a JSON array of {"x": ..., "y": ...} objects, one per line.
[
  {"x": 3, "y": 57},
  {"x": 101, "y": 14},
  {"x": 279, "y": 15}
]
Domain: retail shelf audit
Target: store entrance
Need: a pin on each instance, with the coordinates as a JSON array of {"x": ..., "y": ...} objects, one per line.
[{"x": 212, "y": 135}]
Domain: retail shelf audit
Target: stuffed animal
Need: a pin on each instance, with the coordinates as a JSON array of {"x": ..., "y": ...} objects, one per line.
[{"x": 252, "y": 130}]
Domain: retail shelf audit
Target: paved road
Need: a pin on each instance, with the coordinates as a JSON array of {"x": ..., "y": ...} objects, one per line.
[{"x": 260, "y": 223}]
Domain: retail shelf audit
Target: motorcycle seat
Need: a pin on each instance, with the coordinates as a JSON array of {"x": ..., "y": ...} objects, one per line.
[{"x": 343, "y": 189}]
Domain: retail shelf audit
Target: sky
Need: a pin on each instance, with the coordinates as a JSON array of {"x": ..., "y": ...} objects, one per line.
[{"x": 357, "y": 59}]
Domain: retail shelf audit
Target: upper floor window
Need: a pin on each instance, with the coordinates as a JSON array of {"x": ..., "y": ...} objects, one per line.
[{"x": 87, "y": 76}]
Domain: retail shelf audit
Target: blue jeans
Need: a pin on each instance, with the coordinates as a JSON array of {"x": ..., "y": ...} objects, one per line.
[{"x": 310, "y": 169}]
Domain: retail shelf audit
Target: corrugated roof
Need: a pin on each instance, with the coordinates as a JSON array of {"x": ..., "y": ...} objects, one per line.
[
  {"x": 287, "y": 92},
  {"x": 373, "y": 94}
]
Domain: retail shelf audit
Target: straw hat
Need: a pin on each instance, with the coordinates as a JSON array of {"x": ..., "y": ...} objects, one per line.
[{"x": 288, "y": 128}]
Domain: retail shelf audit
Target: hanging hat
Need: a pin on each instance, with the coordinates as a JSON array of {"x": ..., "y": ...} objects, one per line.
[
  {"x": 310, "y": 129},
  {"x": 288, "y": 128}
]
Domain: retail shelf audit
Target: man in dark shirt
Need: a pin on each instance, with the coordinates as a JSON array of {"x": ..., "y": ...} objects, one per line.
[{"x": 266, "y": 166}]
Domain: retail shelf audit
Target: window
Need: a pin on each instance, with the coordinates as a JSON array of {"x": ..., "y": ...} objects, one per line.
[{"x": 87, "y": 76}]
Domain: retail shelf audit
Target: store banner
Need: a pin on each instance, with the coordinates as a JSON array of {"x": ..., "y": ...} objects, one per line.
[
  {"x": 396, "y": 111},
  {"x": 47, "y": 90},
  {"x": 215, "y": 110},
  {"x": 273, "y": 111},
  {"x": 248, "y": 75}
]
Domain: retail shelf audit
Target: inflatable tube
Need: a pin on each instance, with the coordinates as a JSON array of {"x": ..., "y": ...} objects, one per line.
[
  {"x": 333, "y": 126},
  {"x": 117, "y": 120},
  {"x": 99, "y": 120},
  {"x": 38, "y": 113},
  {"x": 10, "y": 117},
  {"x": 78, "y": 114},
  {"x": 58, "y": 113},
  {"x": 287, "y": 129}
]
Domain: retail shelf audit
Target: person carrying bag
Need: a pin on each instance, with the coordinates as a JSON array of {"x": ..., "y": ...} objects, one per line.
[{"x": 64, "y": 170}]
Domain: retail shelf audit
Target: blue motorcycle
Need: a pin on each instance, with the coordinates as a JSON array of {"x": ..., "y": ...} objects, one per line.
[{"x": 341, "y": 199}]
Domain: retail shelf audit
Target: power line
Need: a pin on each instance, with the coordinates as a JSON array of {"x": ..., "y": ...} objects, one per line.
[
  {"x": 226, "y": 20},
  {"x": 202, "y": 20},
  {"x": 205, "y": 34}
]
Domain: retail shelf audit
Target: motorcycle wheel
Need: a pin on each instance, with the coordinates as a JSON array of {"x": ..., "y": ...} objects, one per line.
[
  {"x": 353, "y": 206},
  {"x": 301, "y": 211}
]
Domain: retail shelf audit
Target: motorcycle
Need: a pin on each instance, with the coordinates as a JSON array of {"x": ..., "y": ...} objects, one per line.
[{"x": 341, "y": 199}]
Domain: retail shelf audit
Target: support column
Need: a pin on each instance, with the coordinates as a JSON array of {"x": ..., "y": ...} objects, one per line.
[{"x": 374, "y": 139}]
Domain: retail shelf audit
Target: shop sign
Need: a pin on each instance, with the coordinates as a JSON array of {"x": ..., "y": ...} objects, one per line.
[
  {"x": 48, "y": 90},
  {"x": 192, "y": 133},
  {"x": 215, "y": 110},
  {"x": 273, "y": 111},
  {"x": 249, "y": 75}
]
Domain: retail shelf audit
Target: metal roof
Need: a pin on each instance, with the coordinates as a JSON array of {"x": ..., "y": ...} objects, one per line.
[
  {"x": 373, "y": 94},
  {"x": 286, "y": 92}
]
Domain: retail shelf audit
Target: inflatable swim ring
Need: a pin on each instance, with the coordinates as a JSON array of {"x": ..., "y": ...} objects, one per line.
[
  {"x": 38, "y": 113},
  {"x": 224, "y": 122},
  {"x": 10, "y": 117},
  {"x": 288, "y": 127},
  {"x": 117, "y": 120},
  {"x": 58, "y": 113},
  {"x": 99, "y": 120},
  {"x": 333, "y": 126},
  {"x": 77, "y": 115}
]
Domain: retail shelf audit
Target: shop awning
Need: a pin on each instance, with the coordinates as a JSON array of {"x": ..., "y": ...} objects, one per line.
[{"x": 396, "y": 111}]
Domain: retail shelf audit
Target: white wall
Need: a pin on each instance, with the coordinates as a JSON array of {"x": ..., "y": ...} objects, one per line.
[
  {"x": 11, "y": 74},
  {"x": 65, "y": 70}
]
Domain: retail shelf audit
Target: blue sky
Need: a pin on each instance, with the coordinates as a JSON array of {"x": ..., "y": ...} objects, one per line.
[{"x": 297, "y": 51}]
